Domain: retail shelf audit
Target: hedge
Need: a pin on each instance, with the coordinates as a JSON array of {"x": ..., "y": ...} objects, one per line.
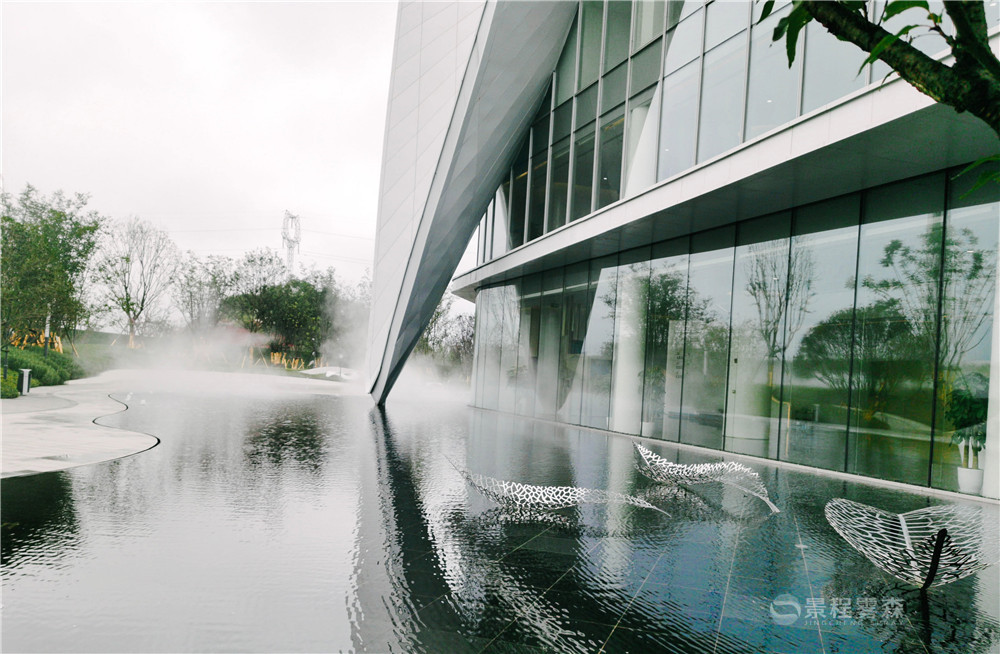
[
  {"x": 49, "y": 370},
  {"x": 8, "y": 387}
]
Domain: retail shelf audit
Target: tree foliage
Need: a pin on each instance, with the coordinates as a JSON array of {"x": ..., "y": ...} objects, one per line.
[
  {"x": 257, "y": 270},
  {"x": 971, "y": 82},
  {"x": 877, "y": 338},
  {"x": 48, "y": 243},
  {"x": 969, "y": 280},
  {"x": 200, "y": 287}
]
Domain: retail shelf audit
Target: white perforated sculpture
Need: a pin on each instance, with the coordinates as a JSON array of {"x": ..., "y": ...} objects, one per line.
[
  {"x": 655, "y": 467},
  {"x": 517, "y": 496},
  {"x": 903, "y": 544}
]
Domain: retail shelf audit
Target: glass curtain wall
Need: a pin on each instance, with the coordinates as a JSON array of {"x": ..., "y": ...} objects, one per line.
[
  {"x": 706, "y": 338},
  {"x": 895, "y": 330},
  {"x": 668, "y": 302},
  {"x": 719, "y": 82},
  {"x": 767, "y": 297},
  {"x": 629, "y": 354},
  {"x": 817, "y": 374},
  {"x": 854, "y": 334},
  {"x": 598, "y": 343},
  {"x": 964, "y": 358}
]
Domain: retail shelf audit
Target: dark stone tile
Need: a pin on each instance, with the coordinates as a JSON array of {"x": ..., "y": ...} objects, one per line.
[
  {"x": 767, "y": 636},
  {"x": 665, "y": 641}
]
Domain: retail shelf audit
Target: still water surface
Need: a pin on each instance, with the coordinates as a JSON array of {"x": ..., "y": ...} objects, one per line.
[{"x": 312, "y": 523}]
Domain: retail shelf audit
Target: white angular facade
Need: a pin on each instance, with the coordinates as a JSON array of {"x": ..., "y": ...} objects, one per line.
[{"x": 681, "y": 237}]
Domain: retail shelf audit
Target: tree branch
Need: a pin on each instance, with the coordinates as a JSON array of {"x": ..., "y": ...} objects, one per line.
[{"x": 977, "y": 94}]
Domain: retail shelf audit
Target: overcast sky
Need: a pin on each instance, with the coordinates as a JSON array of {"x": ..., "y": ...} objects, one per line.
[{"x": 207, "y": 119}]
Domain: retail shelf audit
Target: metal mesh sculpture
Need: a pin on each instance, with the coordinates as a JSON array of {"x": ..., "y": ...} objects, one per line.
[
  {"x": 655, "y": 467},
  {"x": 521, "y": 497},
  {"x": 903, "y": 544}
]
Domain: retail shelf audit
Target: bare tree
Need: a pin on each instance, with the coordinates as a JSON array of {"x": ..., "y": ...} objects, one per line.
[
  {"x": 135, "y": 267},
  {"x": 200, "y": 287},
  {"x": 781, "y": 288}
]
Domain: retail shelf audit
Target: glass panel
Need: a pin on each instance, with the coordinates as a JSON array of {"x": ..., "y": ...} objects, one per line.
[
  {"x": 816, "y": 387},
  {"x": 609, "y": 171},
  {"x": 598, "y": 344},
  {"x": 648, "y": 21},
  {"x": 485, "y": 238},
  {"x": 759, "y": 6},
  {"x": 478, "y": 360},
  {"x": 566, "y": 68},
  {"x": 722, "y": 98},
  {"x": 895, "y": 331},
  {"x": 640, "y": 160},
  {"x": 500, "y": 221},
  {"x": 511, "y": 312},
  {"x": 706, "y": 339},
  {"x": 684, "y": 42},
  {"x": 540, "y": 135},
  {"x": 562, "y": 121},
  {"x": 492, "y": 340},
  {"x": 613, "y": 91},
  {"x": 629, "y": 341},
  {"x": 559, "y": 185},
  {"x": 583, "y": 173},
  {"x": 668, "y": 300},
  {"x": 773, "y": 89},
  {"x": 724, "y": 20},
  {"x": 684, "y": 9},
  {"x": 536, "y": 200},
  {"x": 527, "y": 344},
  {"x": 519, "y": 198},
  {"x": 550, "y": 325},
  {"x": 765, "y": 296},
  {"x": 586, "y": 108},
  {"x": 646, "y": 67},
  {"x": 616, "y": 33},
  {"x": 590, "y": 41},
  {"x": 831, "y": 68},
  {"x": 680, "y": 120},
  {"x": 575, "y": 313},
  {"x": 967, "y": 339}
]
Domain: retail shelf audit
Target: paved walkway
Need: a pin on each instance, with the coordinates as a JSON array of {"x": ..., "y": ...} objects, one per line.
[{"x": 53, "y": 428}]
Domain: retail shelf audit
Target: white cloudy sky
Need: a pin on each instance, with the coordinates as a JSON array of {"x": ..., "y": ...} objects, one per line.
[{"x": 208, "y": 119}]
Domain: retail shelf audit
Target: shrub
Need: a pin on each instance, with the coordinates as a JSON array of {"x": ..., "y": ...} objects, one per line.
[
  {"x": 8, "y": 387},
  {"x": 49, "y": 370}
]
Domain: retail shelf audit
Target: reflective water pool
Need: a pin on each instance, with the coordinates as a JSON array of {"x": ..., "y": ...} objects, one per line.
[{"x": 322, "y": 524}]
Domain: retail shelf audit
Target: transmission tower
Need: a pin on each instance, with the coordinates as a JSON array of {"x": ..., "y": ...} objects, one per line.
[{"x": 291, "y": 234}]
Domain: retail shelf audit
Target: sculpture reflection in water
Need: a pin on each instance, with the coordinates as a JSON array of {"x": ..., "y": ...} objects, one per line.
[
  {"x": 737, "y": 475},
  {"x": 904, "y": 544}
]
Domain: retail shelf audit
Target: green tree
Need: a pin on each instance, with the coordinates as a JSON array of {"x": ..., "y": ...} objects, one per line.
[
  {"x": 971, "y": 82},
  {"x": 878, "y": 340},
  {"x": 969, "y": 279},
  {"x": 47, "y": 245},
  {"x": 257, "y": 270},
  {"x": 295, "y": 314}
]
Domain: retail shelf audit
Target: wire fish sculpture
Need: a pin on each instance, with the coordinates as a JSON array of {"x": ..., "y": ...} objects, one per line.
[
  {"x": 656, "y": 468},
  {"x": 903, "y": 544},
  {"x": 521, "y": 497}
]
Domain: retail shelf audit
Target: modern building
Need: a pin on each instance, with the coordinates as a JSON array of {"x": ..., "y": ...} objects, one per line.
[{"x": 681, "y": 237}]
